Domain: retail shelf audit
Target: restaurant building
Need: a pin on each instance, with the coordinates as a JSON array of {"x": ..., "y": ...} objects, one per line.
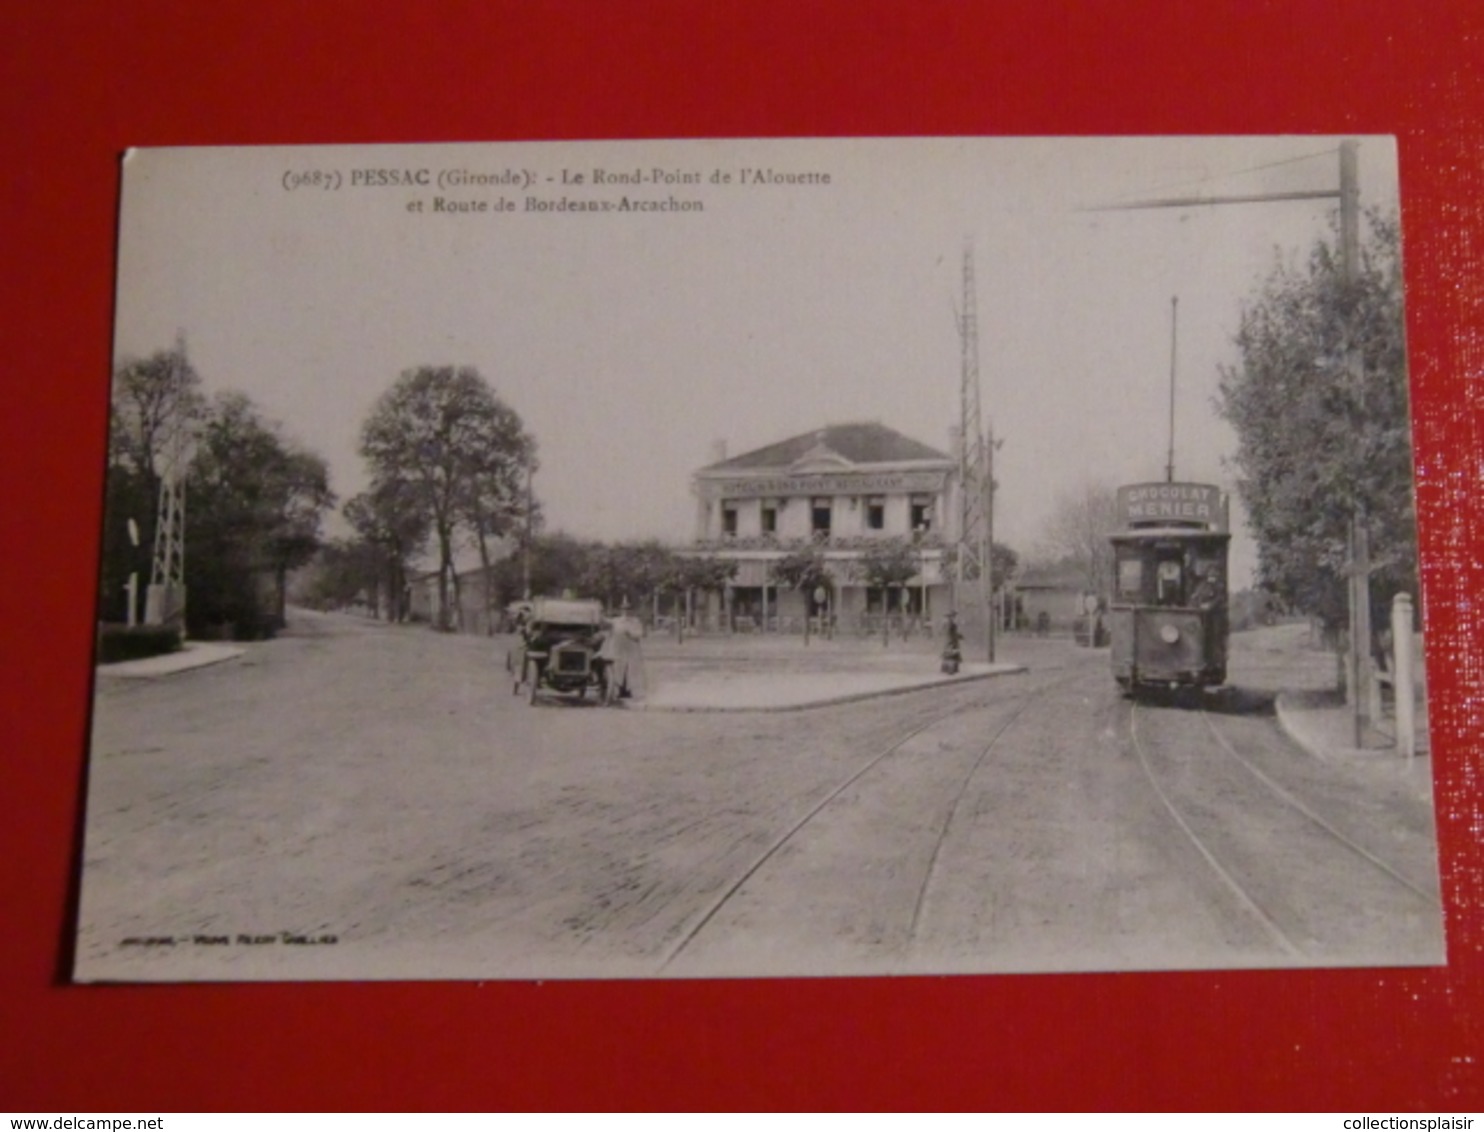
[{"x": 842, "y": 489}]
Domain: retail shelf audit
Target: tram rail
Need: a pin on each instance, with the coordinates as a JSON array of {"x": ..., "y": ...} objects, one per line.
[
  {"x": 1229, "y": 873},
  {"x": 718, "y": 903}
]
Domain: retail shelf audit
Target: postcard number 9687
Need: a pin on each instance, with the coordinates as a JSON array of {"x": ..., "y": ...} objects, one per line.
[{"x": 310, "y": 179}]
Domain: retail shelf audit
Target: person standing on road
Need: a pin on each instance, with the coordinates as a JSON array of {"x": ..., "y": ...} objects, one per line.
[
  {"x": 953, "y": 652},
  {"x": 622, "y": 655}
]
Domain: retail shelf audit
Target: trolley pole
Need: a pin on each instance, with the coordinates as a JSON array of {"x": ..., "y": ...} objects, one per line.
[{"x": 1174, "y": 325}]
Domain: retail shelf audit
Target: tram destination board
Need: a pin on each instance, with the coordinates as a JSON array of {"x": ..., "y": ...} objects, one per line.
[{"x": 1150, "y": 504}]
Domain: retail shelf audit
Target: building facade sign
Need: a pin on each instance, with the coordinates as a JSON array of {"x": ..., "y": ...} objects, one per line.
[
  {"x": 842, "y": 483},
  {"x": 1180, "y": 504}
]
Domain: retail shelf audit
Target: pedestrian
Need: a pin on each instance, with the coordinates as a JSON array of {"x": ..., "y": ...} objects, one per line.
[
  {"x": 623, "y": 657},
  {"x": 953, "y": 653}
]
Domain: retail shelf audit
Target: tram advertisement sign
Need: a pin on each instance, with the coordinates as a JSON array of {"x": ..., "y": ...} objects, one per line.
[{"x": 1154, "y": 504}]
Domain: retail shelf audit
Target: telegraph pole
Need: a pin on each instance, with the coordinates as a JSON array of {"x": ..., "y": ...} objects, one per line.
[
  {"x": 164, "y": 600},
  {"x": 525, "y": 565},
  {"x": 974, "y": 546},
  {"x": 991, "y": 445},
  {"x": 1358, "y": 669}
]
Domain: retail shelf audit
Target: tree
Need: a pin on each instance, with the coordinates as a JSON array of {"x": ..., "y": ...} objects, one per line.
[
  {"x": 388, "y": 519},
  {"x": 1004, "y": 562},
  {"x": 460, "y": 453},
  {"x": 559, "y": 563},
  {"x": 1319, "y": 405},
  {"x": 646, "y": 568},
  {"x": 255, "y": 502},
  {"x": 494, "y": 496},
  {"x": 708, "y": 575},
  {"x": 628, "y": 572},
  {"x": 804, "y": 570},
  {"x": 1077, "y": 533},
  {"x": 888, "y": 564},
  {"x": 152, "y": 398},
  {"x": 344, "y": 571}
]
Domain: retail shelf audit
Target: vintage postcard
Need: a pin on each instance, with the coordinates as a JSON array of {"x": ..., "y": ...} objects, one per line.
[{"x": 742, "y": 558}]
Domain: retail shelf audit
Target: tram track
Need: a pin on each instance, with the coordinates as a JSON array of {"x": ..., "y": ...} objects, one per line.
[
  {"x": 1244, "y": 898},
  {"x": 1298, "y": 804},
  {"x": 1216, "y": 817},
  {"x": 939, "y": 835},
  {"x": 958, "y": 797}
]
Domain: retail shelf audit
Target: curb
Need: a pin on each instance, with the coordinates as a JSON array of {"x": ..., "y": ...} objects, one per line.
[
  {"x": 1325, "y": 753},
  {"x": 1284, "y": 712},
  {"x": 832, "y": 701},
  {"x": 189, "y": 659}
]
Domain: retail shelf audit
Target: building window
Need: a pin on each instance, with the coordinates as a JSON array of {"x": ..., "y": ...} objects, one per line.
[
  {"x": 728, "y": 521},
  {"x": 922, "y": 514},
  {"x": 819, "y": 517},
  {"x": 875, "y": 513},
  {"x": 770, "y": 518}
]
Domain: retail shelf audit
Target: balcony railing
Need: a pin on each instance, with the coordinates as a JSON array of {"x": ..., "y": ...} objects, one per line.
[{"x": 931, "y": 540}]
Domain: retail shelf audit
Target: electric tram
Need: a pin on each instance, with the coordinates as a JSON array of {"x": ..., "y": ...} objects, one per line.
[{"x": 1168, "y": 613}]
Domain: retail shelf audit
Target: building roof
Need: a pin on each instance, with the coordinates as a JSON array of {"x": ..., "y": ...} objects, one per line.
[
  {"x": 867, "y": 442},
  {"x": 1052, "y": 576}
]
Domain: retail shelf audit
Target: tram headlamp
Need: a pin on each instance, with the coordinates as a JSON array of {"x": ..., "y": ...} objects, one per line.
[{"x": 1169, "y": 634}]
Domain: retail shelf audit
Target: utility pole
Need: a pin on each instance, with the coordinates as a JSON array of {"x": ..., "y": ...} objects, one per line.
[
  {"x": 525, "y": 564},
  {"x": 991, "y": 446},
  {"x": 164, "y": 600},
  {"x": 973, "y": 529},
  {"x": 1359, "y": 685},
  {"x": 1358, "y": 669}
]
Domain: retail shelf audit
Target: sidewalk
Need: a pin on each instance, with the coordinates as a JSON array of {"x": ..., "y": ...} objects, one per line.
[
  {"x": 192, "y": 654},
  {"x": 1310, "y": 711},
  {"x": 1324, "y": 726},
  {"x": 794, "y": 691}
]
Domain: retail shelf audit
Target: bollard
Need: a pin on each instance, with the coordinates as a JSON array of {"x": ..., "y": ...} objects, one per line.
[{"x": 1403, "y": 684}]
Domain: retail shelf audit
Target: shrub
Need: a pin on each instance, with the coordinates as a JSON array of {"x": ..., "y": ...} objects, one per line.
[{"x": 134, "y": 642}]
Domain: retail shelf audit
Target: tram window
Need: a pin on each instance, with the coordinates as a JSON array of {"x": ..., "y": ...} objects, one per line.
[
  {"x": 1168, "y": 579},
  {"x": 1210, "y": 586},
  {"x": 1130, "y": 577}
]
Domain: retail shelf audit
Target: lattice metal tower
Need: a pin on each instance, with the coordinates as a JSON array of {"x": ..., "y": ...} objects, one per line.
[
  {"x": 973, "y": 525},
  {"x": 165, "y": 599}
]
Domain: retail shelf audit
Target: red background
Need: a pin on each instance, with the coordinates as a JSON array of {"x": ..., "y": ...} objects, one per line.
[{"x": 81, "y": 81}]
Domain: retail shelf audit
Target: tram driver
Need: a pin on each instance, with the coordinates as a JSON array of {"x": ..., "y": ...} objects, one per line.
[{"x": 1208, "y": 587}]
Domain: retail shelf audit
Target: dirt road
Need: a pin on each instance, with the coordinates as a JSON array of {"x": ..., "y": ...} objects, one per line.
[{"x": 362, "y": 801}]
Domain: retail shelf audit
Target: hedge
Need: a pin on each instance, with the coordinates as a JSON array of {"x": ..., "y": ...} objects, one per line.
[{"x": 134, "y": 642}]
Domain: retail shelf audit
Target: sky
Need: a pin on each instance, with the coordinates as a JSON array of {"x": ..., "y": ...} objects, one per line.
[{"x": 631, "y": 342}]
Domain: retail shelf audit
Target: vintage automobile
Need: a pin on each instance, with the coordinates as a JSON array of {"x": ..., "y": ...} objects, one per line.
[{"x": 558, "y": 650}]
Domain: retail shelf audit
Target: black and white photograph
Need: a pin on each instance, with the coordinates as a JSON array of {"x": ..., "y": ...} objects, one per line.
[{"x": 694, "y": 559}]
